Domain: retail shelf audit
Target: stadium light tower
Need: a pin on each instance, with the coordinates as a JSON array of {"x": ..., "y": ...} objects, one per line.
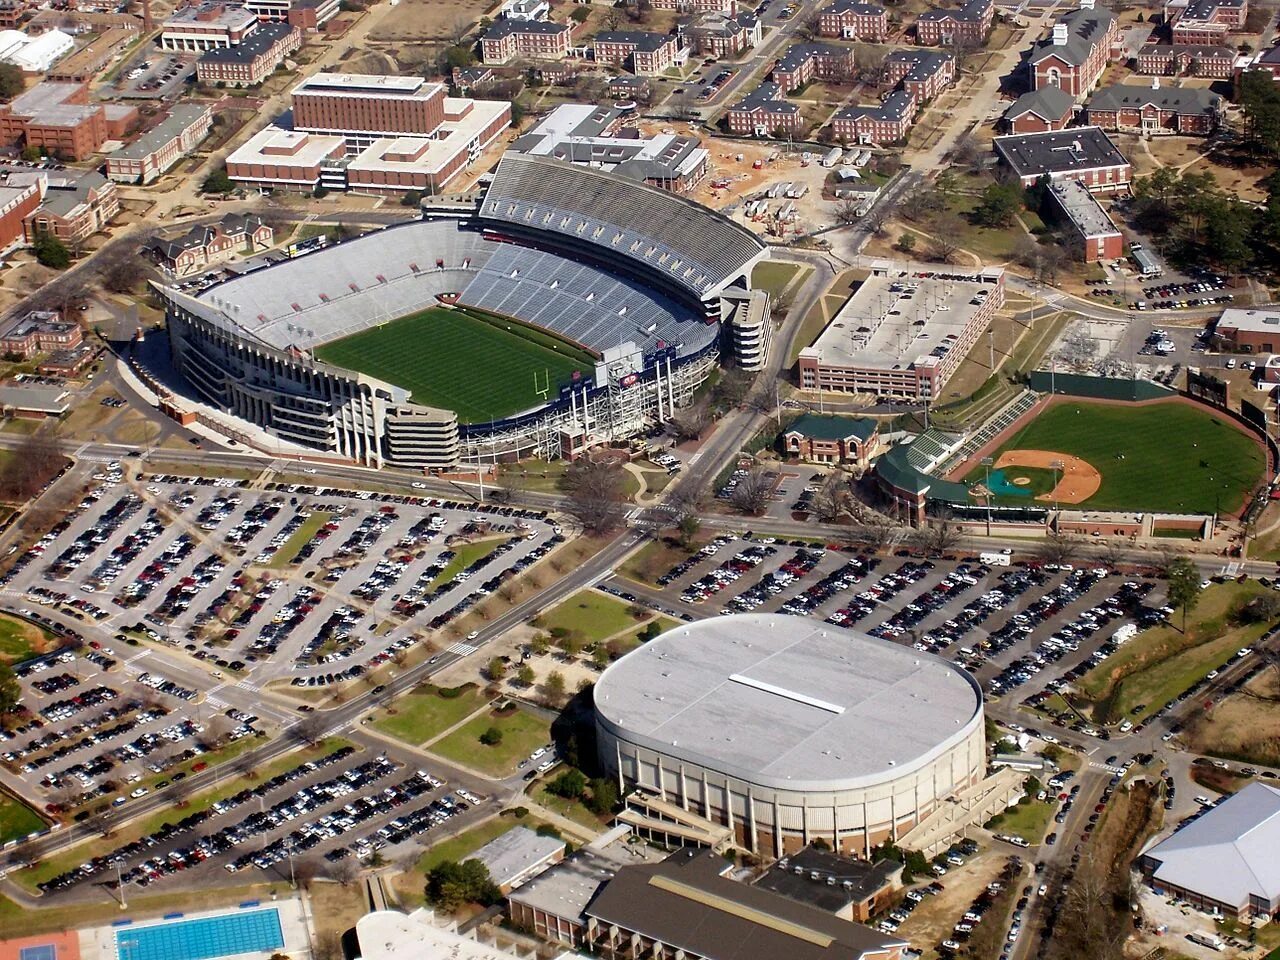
[
  {"x": 1058, "y": 467},
  {"x": 986, "y": 463}
]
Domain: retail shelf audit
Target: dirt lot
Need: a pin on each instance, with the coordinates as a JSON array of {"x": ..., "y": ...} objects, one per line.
[
  {"x": 935, "y": 918},
  {"x": 430, "y": 21},
  {"x": 1245, "y": 725}
]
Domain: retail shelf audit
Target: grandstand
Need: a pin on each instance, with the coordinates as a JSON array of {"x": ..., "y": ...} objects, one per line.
[
  {"x": 583, "y": 303},
  {"x": 653, "y": 229}
]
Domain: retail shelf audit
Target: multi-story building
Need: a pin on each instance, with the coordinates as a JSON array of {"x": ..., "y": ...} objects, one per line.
[
  {"x": 606, "y": 138},
  {"x": 1076, "y": 53},
  {"x": 722, "y": 35},
  {"x": 17, "y": 202},
  {"x": 1096, "y": 235},
  {"x": 59, "y": 119},
  {"x": 40, "y": 331},
  {"x": 159, "y": 148},
  {"x": 372, "y": 134},
  {"x": 644, "y": 53},
  {"x": 886, "y": 122},
  {"x": 764, "y": 113},
  {"x": 854, "y": 20},
  {"x": 1207, "y": 22},
  {"x": 508, "y": 40},
  {"x": 249, "y": 63},
  {"x": 87, "y": 62},
  {"x": 307, "y": 15},
  {"x": 211, "y": 244},
  {"x": 77, "y": 204},
  {"x": 969, "y": 24},
  {"x": 1077, "y": 153},
  {"x": 902, "y": 337},
  {"x": 1267, "y": 60},
  {"x": 1036, "y": 111},
  {"x": 206, "y": 25},
  {"x": 813, "y": 61},
  {"x": 1128, "y": 108},
  {"x": 818, "y": 438},
  {"x": 922, "y": 73},
  {"x": 1215, "y": 62},
  {"x": 727, "y": 7},
  {"x": 525, "y": 10}
]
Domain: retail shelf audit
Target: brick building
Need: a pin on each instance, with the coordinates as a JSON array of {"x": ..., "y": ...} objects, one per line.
[
  {"x": 727, "y": 7},
  {"x": 59, "y": 119},
  {"x": 250, "y": 62},
  {"x": 508, "y": 40},
  {"x": 76, "y": 205},
  {"x": 1250, "y": 329},
  {"x": 967, "y": 24},
  {"x": 644, "y": 53},
  {"x": 206, "y": 25},
  {"x": 813, "y": 61},
  {"x": 1076, "y": 53},
  {"x": 1077, "y": 153},
  {"x": 41, "y": 331},
  {"x": 1127, "y": 108},
  {"x": 830, "y": 439},
  {"x": 1268, "y": 60},
  {"x": 922, "y": 73},
  {"x": 886, "y": 122},
  {"x": 17, "y": 202},
  {"x": 1095, "y": 234},
  {"x": 1207, "y": 22},
  {"x": 1169, "y": 60},
  {"x": 763, "y": 112},
  {"x": 205, "y": 246},
  {"x": 1039, "y": 110},
  {"x": 721, "y": 35},
  {"x": 87, "y": 62},
  {"x": 368, "y": 106},
  {"x": 854, "y": 20},
  {"x": 159, "y": 148},
  {"x": 307, "y": 15}
]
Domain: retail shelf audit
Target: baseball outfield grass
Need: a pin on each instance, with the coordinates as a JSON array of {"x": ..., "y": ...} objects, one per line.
[
  {"x": 1166, "y": 457},
  {"x": 480, "y": 368}
]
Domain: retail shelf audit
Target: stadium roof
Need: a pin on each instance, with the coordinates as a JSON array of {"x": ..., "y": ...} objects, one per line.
[
  {"x": 1229, "y": 853},
  {"x": 695, "y": 247},
  {"x": 786, "y": 702},
  {"x": 687, "y": 903}
]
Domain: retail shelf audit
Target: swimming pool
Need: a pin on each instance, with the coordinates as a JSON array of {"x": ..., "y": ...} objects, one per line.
[{"x": 249, "y": 931}]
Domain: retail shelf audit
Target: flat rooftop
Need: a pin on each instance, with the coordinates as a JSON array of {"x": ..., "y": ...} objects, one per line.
[
  {"x": 1083, "y": 208},
  {"x": 784, "y": 701},
  {"x": 365, "y": 85},
  {"x": 1059, "y": 151},
  {"x": 311, "y": 148},
  {"x": 430, "y": 154},
  {"x": 904, "y": 320},
  {"x": 1264, "y": 318}
]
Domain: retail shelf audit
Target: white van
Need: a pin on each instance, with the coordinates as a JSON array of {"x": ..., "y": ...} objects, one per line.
[{"x": 1000, "y": 559}]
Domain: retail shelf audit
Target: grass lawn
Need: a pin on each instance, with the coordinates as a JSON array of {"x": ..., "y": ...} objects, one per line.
[
  {"x": 17, "y": 820},
  {"x": 1176, "y": 458},
  {"x": 1159, "y": 664},
  {"x": 652, "y": 560},
  {"x": 573, "y": 810},
  {"x": 776, "y": 275},
  {"x": 423, "y": 714},
  {"x": 466, "y": 843},
  {"x": 591, "y": 615},
  {"x": 63, "y": 861},
  {"x": 522, "y": 732},
  {"x": 20, "y": 639},
  {"x": 538, "y": 475},
  {"x": 451, "y": 359},
  {"x": 1026, "y": 820},
  {"x": 464, "y": 556},
  {"x": 300, "y": 538}
]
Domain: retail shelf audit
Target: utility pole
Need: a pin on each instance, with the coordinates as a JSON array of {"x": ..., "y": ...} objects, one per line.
[{"x": 986, "y": 463}]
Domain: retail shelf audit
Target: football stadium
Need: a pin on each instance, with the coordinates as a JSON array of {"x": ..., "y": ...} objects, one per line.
[{"x": 568, "y": 307}]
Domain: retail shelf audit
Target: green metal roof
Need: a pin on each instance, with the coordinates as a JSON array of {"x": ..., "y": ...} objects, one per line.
[
  {"x": 896, "y": 469},
  {"x": 831, "y": 427}
]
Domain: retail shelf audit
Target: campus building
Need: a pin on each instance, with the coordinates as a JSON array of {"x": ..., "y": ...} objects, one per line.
[
  {"x": 207, "y": 25},
  {"x": 643, "y": 53},
  {"x": 727, "y": 7},
  {"x": 1096, "y": 235},
  {"x": 159, "y": 148},
  {"x": 720, "y": 35},
  {"x": 205, "y": 246},
  {"x": 1077, "y": 153},
  {"x": 854, "y": 20},
  {"x": 922, "y": 73},
  {"x": 1207, "y": 22},
  {"x": 58, "y": 119},
  {"x": 249, "y": 63},
  {"x": 1196, "y": 60},
  {"x": 1251, "y": 329},
  {"x": 902, "y": 336},
  {"x": 968, "y": 24},
  {"x": 885, "y": 122},
  {"x": 813, "y": 61},
  {"x": 854, "y": 890},
  {"x": 1154, "y": 110},
  {"x": 509, "y": 40},
  {"x": 76, "y": 205},
  {"x": 1038, "y": 111},
  {"x": 17, "y": 202},
  {"x": 41, "y": 331},
  {"x": 1076, "y": 53},
  {"x": 816, "y": 438},
  {"x": 763, "y": 113},
  {"x": 307, "y": 15}
]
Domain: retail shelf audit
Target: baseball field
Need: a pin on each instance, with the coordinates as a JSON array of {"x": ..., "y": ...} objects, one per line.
[
  {"x": 481, "y": 369},
  {"x": 1168, "y": 457}
]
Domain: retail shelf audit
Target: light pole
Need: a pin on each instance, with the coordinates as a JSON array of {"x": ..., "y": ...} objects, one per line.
[
  {"x": 986, "y": 463},
  {"x": 120, "y": 886},
  {"x": 1058, "y": 466}
]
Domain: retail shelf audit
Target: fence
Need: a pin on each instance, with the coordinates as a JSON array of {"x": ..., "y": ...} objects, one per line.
[{"x": 1100, "y": 388}]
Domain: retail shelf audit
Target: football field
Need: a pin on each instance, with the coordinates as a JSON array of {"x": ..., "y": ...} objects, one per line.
[
  {"x": 482, "y": 369},
  {"x": 1168, "y": 457}
]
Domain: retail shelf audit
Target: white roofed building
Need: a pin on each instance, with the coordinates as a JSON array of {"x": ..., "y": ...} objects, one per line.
[{"x": 39, "y": 54}]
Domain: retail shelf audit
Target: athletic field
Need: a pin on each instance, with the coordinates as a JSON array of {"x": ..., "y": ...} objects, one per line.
[
  {"x": 482, "y": 370},
  {"x": 1168, "y": 457}
]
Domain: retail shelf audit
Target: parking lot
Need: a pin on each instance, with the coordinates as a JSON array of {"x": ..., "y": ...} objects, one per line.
[{"x": 155, "y": 74}]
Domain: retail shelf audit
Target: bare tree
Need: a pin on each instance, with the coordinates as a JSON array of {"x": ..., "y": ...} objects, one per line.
[
  {"x": 848, "y": 210},
  {"x": 943, "y": 240},
  {"x": 596, "y": 494},
  {"x": 612, "y": 18},
  {"x": 692, "y": 422},
  {"x": 832, "y": 501},
  {"x": 1113, "y": 553},
  {"x": 878, "y": 218},
  {"x": 310, "y": 728},
  {"x": 807, "y": 28},
  {"x": 753, "y": 491},
  {"x": 966, "y": 152},
  {"x": 1058, "y": 548},
  {"x": 345, "y": 871},
  {"x": 939, "y": 537},
  {"x": 35, "y": 463}
]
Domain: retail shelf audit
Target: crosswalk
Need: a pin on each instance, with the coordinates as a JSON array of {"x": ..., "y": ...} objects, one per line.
[
  {"x": 462, "y": 649},
  {"x": 248, "y": 685},
  {"x": 1111, "y": 767}
]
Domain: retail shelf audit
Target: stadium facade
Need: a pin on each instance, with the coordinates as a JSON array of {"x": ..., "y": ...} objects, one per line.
[
  {"x": 633, "y": 274},
  {"x": 789, "y": 731}
]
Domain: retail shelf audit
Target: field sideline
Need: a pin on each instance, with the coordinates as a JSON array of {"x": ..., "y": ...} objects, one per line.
[
  {"x": 448, "y": 359},
  {"x": 1170, "y": 456}
]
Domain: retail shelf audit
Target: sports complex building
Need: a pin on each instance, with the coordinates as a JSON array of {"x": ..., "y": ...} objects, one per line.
[
  {"x": 569, "y": 307},
  {"x": 789, "y": 731}
]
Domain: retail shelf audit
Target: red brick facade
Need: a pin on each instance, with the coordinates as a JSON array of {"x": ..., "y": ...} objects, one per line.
[
  {"x": 807, "y": 62},
  {"x": 970, "y": 24},
  {"x": 854, "y": 20},
  {"x": 39, "y": 118},
  {"x": 646, "y": 54},
  {"x": 524, "y": 39},
  {"x": 1167, "y": 60}
]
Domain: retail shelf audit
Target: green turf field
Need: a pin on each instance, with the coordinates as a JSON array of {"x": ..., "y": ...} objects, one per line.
[
  {"x": 446, "y": 358},
  {"x": 1165, "y": 457}
]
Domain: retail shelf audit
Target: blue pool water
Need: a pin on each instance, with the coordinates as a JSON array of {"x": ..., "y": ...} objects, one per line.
[{"x": 250, "y": 931}]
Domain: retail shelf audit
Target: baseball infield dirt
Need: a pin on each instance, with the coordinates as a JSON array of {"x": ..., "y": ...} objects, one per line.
[{"x": 1077, "y": 480}]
